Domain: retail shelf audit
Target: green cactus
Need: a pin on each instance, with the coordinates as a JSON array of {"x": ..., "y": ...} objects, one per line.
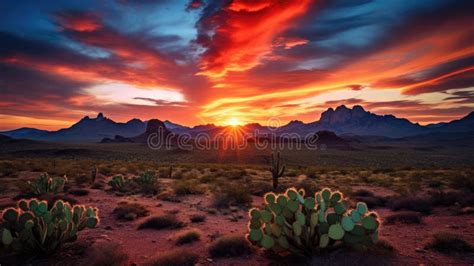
[
  {"x": 146, "y": 179},
  {"x": 308, "y": 225},
  {"x": 276, "y": 169},
  {"x": 46, "y": 184},
  {"x": 33, "y": 228},
  {"x": 118, "y": 182}
]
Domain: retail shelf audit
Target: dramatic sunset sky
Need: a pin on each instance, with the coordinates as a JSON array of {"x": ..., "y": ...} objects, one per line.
[{"x": 197, "y": 62}]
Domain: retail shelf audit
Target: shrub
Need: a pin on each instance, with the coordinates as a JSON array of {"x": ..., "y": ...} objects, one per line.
[
  {"x": 411, "y": 203},
  {"x": 106, "y": 253},
  {"x": 129, "y": 211},
  {"x": 314, "y": 224},
  {"x": 187, "y": 237},
  {"x": 451, "y": 198},
  {"x": 230, "y": 246},
  {"x": 34, "y": 228},
  {"x": 234, "y": 174},
  {"x": 79, "y": 192},
  {"x": 45, "y": 184},
  {"x": 372, "y": 202},
  {"x": 405, "y": 217},
  {"x": 259, "y": 188},
  {"x": 363, "y": 193},
  {"x": 449, "y": 243},
  {"x": 174, "y": 258},
  {"x": 161, "y": 222},
  {"x": 197, "y": 218},
  {"x": 232, "y": 194},
  {"x": 187, "y": 186},
  {"x": 464, "y": 181}
]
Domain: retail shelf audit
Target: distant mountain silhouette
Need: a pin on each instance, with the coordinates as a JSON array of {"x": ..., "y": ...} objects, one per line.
[
  {"x": 154, "y": 126},
  {"x": 341, "y": 121},
  {"x": 86, "y": 130}
]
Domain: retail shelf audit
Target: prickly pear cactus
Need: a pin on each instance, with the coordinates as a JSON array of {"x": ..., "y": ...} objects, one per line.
[
  {"x": 33, "y": 228},
  {"x": 118, "y": 182},
  {"x": 46, "y": 184},
  {"x": 308, "y": 225}
]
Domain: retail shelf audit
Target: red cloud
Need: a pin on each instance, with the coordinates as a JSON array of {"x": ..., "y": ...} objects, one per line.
[
  {"x": 243, "y": 33},
  {"x": 81, "y": 22}
]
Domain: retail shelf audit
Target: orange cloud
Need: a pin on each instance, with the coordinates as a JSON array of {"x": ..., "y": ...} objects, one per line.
[{"x": 245, "y": 32}]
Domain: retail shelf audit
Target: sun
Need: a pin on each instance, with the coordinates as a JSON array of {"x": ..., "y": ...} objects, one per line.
[{"x": 233, "y": 121}]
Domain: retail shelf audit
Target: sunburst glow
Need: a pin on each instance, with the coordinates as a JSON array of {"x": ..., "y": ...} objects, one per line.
[{"x": 233, "y": 121}]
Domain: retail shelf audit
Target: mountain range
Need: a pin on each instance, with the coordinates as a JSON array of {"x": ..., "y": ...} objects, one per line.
[{"x": 342, "y": 121}]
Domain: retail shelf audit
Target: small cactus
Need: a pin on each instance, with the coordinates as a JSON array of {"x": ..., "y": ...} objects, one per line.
[
  {"x": 94, "y": 172},
  {"x": 276, "y": 169},
  {"x": 306, "y": 225},
  {"x": 118, "y": 182},
  {"x": 33, "y": 228},
  {"x": 46, "y": 184},
  {"x": 146, "y": 179}
]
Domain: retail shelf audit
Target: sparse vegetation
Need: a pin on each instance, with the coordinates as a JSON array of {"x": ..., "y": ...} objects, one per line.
[
  {"x": 230, "y": 246},
  {"x": 107, "y": 253},
  {"x": 188, "y": 186},
  {"x": 79, "y": 192},
  {"x": 411, "y": 203},
  {"x": 174, "y": 258},
  {"x": 449, "y": 243},
  {"x": 129, "y": 211},
  {"x": 187, "y": 237},
  {"x": 232, "y": 194},
  {"x": 197, "y": 218},
  {"x": 404, "y": 217},
  {"x": 161, "y": 222}
]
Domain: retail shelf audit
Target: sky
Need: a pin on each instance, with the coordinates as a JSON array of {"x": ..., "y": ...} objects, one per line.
[{"x": 243, "y": 61}]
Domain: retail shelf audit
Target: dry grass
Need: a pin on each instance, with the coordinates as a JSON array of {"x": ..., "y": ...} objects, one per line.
[
  {"x": 129, "y": 211},
  {"x": 174, "y": 258},
  {"x": 187, "y": 237},
  {"x": 187, "y": 187},
  {"x": 232, "y": 194},
  {"x": 107, "y": 254},
  {"x": 230, "y": 246}
]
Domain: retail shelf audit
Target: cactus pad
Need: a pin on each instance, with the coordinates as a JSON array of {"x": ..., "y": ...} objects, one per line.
[{"x": 336, "y": 232}]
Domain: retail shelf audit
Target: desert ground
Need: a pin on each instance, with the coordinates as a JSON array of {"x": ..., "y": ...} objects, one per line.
[{"x": 198, "y": 214}]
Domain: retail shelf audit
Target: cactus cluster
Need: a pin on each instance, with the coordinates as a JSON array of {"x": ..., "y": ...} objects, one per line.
[
  {"x": 46, "y": 184},
  {"x": 305, "y": 226},
  {"x": 33, "y": 228},
  {"x": 143, "y": 183}
]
